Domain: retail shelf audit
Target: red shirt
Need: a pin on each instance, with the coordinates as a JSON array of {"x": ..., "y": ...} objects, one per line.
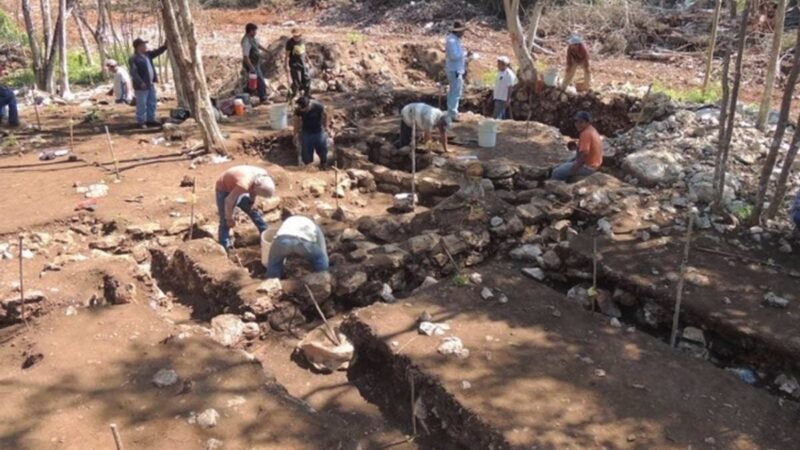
[{"x": 577, "y": 54}]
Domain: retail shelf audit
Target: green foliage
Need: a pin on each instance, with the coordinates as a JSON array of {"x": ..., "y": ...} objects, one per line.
[
  {"x": 743, "y": 212},
  {"x": 691, "y": 95},
  {"x": 460, "y": 280},
  {"x": 488, "y": 78},
  {"x": 9, "y": 33},
  {"x": 80, "y": 72},
  {"x": 354, "y": 37},
  {"x": 20, "y": 78},
  {"x": 11, "y": 141}
]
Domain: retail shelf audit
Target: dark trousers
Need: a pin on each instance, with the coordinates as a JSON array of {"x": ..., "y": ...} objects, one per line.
[
  {"x": 314, "y": 142},
  {"x": 301, "y": 81},
  {"x": 9, "y": 99}
]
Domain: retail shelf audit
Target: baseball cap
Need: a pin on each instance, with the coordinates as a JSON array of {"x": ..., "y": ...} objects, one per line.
[
  {"x": 583, "y": 116},
  {"x": 504, "y": 59},
  {"x": 138, "y": 41},
  {"x": 574, "y": 39},
  {"x": 111, "y": 63}
]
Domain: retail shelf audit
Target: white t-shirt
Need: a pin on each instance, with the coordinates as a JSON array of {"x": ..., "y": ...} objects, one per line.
[
  {"x": 425, "y": 115},
  {"x": 300, "y": 227},
  {"x": 505, "y": 80},
  {"x": 122, "y": 80}
]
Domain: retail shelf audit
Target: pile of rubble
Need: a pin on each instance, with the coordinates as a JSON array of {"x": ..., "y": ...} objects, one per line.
[{"x": 677, "y": 156}]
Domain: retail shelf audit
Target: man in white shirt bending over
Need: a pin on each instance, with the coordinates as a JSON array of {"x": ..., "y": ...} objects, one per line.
[
  {"x": 426, "y": 118},
  {"x": 506, "y": 79},
  {"x": 123, "y": 88},
  {"x": 297, "y": 236}
]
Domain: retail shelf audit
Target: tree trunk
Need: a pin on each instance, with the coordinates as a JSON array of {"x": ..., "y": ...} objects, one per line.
[
  {"x": 36, "y": 54},
  {"x": 772, "y": 65},
  {"x": 722, "y": 146},
  {"x": 527, "y": 70},
  {"x": 63, "y": 15},
  {"x": 732, "y": 8},
  {"x": 183, "y": 47},
  {"x": 712, "y": 44},
  {"x": 737, "y": 81},
  {"x": 180, "y": 89},
  {"x": 780, "y": 187},
  {"x": 84, "y": 42},
  {"x": 777, "y": 138},
  {"x": 536, "y": 16},
  {"x": 100, "y": 36},
  {"x": 47, "y": 25}
]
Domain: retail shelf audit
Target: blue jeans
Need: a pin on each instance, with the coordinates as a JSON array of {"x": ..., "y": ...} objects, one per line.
[
  {"x": 562, "y": 172},
  {"x": 262, "y": 85},
  {"x": 9, "y": 99},
  {"x": 311, "y": 142},
  {"x": 456, "y": 86},
  {"x": 796, "y": 219},
  {"x": 285, "y": 246},
  {"x": 245, "y": 203},
  {"x": 145, "y": 105},
  {"x": 500, "y": 111}
]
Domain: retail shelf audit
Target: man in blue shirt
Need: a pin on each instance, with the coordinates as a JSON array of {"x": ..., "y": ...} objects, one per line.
[
  {"x": 454, "y": 66},
  {"x": 8, "y": 100},
  {"x": 144, "y": 77}
]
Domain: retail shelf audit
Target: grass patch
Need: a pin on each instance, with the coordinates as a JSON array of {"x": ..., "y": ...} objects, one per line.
[
  {"x": 743, "y": 212},
  {"x": 9, "y": 33},
  {"x": 488, "y": 78},
  {"x": 20, "y": 78},
  {"x": 692, "y": 95},
  {"x": 354, "y": 38},
  {"x": 80, "y": 72},
  {"x": 460, "y": 280}
]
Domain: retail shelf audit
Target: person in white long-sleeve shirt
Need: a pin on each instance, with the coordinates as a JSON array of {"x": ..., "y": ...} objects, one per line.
[
  {"x": 298, "y": 236},
  {"x": 122, "y": 89}
]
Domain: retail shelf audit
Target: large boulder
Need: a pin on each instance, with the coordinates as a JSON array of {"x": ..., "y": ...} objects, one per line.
[{"x": 653, "y": 167}]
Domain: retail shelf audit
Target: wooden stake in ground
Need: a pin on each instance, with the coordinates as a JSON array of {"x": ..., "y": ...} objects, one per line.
[
  {"x": 71, "y": 137},
  {"x": 333, "y": 337},
  {"x": 336, "y": 183},
  {"x": 117, "y": 438},
  {"x": 413, "y": 406},
  {"x": 644, "y": 102},
  {"x": 414, "y": 162},
  {"x": 22, "y": 287},
  {"x": 594, "y": 273},
  {"x": 38, "y": 120},
  {"x": 194, "y": 200},
  {"x": 679, "y": 293},
  {"x": 111, "y": 149}
]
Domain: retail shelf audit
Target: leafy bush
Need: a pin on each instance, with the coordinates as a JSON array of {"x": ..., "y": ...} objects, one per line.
[
  {"x": 9, "y": 33},
  {"x": 691, "y": 95},
  {"x": 488, "y": 78}
]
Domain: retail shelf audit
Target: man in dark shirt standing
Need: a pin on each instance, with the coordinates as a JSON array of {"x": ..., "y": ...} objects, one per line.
[
  {"x": 8, "y": 100},
  {"x": 144, "y": 77},
  {"x": 297, "y": 65},
  {"x": 251, "y": 59},
  {"x": 312, "y": 126}
]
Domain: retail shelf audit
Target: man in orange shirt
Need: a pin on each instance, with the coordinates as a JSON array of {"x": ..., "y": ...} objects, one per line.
[
  {"x": 238, "y": 187},
  {"x": 590, "y": 151}
]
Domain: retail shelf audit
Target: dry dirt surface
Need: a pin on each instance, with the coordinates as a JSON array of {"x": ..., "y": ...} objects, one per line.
[{"x": 542, "y": 374}]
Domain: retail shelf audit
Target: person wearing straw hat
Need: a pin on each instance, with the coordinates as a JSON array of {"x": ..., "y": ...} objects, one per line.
[
  {"x": 122, "y": 89},
  {"x": 589, "y": 156},
  {"x": 251, "y": 59},
  {"x": 297, "y": 65},
  {"x": 577, "y": 56},
  {"x": 238, "y": 187},
  {"x": 455, "y": 65},
  {"x": 506, "y": 79},
  {"x": 297, "y": 236}
]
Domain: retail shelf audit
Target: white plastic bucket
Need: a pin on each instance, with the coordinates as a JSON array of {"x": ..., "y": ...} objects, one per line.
[
  {"x": 265, "y": 245},
  {"x": 487, "y": 133},
  {"x": 551, "y": 76},
  {"x": 278, "y": 117}
]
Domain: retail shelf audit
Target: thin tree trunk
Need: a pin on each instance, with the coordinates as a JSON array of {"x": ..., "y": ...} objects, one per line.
[
  {"x": 63, "y": 15},
  {"x": 527, "y": 70},
  {"x": 84, "y": 42},
  {"x": 712, "y": 44},
  {"x": 100, "y": 36},
  {"x": 723, "y": 123},
  {"x": 536, "y": 16},
  {"x": 780, "y": 188},
  {"x": 732, "y": 8},
  {"x": 777, "y": 138},
  {"x": 36, "y": 54},
  {"x": 47, "y": 25},
  {"x": 772, "y": 65},
  {"x": 737, "y": 81},
  {"x": 183, "y": 47}
]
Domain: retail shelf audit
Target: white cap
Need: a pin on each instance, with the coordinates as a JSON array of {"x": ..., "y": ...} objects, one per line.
[
  {"x": 574, "y": 39},
  {"x": 504, "y": 60},
  {"x": 111, "y": 62}
]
